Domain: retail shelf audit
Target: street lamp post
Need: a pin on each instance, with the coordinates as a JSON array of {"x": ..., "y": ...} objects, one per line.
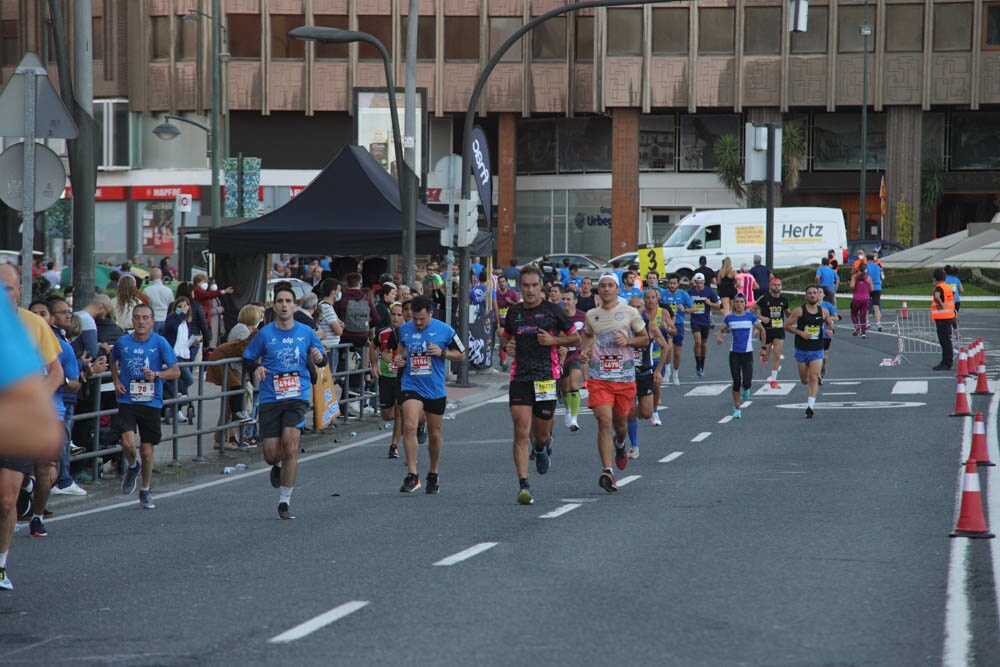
[
  {"x": 215, "y": 152},
  {"x": 866, "y": 30},
  {"x": 407, "y": 178}
]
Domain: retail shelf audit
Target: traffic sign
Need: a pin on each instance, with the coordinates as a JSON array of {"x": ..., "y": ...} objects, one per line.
[
  {"x": 183, "y": 203},
  {"x": 651, "y": 259},
  {"x": 50, "y": 177},
  {"x": 52, "y": 120}
]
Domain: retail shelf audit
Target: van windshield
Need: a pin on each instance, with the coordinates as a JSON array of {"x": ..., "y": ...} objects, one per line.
[{"x": 681, "y": 236}]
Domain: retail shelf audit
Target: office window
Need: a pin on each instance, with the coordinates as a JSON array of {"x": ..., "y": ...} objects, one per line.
[
  {"x": 501, "y": 28},
  {"x": 991, "y": 26},
  {"x": 763, "y": 31},
  {"x": 379, "y": 27},
  {"x": 187, "y": 38},
  {"x": 624, "y": 32},
  {"x": 243, "y": 32},
  {"x": 716, "y": 31},
  {"x": 114, "y": 122},
  {"x": 656, "y": 143},
  {"x": 975, "y": 140},
  {"x": 284, "y": 47},
  {"x": 461, "y": 38},
  {"x": 953, "y": 27},
  {"x": 584, "y": 144},
  {"x": 670, "y": 31},
  {"x": 584, "y": 39},
  {"x": 904, "y": 28},
  {"x": 425, "y": 36},
  {"x": 536, "y": 146},
  {"x": 159, "y": 43},
  {"x": 836, "y": 141},
  {"x": 548, "y": 41},
  {"x": 698, "y": 136},
  {"x": 97, "y": 42},
  {"x": 813, "y": 40},
  {"x": 849, "y": 37},
  {"x": 10, "y": 47},
  {"x": 332, "y": 51}
]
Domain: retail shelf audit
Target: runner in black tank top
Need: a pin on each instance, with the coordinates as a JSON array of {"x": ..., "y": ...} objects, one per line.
[{"x": 807, "y": 324}]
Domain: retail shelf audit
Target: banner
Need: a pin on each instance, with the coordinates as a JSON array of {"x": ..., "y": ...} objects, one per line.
[
  {"x": 481, "y": 170},
  {"x": 158, "y": 228},
  {"x": 243, "y": 202},
  {"x": 325, "y": 397}
]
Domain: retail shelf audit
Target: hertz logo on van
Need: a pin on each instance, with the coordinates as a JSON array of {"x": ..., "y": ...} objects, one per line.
[{"x": 798, "y": 233}]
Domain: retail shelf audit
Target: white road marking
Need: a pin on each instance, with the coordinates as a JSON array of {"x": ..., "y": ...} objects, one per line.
[
  {"x": 993, "y": 495},
  {"x": 708, "y": 390},
  {"x": 846, "y": 383},
  {"x": 726, "y": 419},
  {"x": 559, "y": 511},
  {"x": 628, "y": 480},
  {"x": 701, "y": 436},
  {"x": 784, "y": 389},
  {"x": 854, "y": 405},
  {"x": 670, "y": 457},
  {"x": 957, "y": 633},
  {"x": 747, "y": 404},
  {"x": 840, "y": 393},
  {"x": 321, "y": 621},
  {"x": 467, "y": 553},
  {"x": 909, "y": 387}
]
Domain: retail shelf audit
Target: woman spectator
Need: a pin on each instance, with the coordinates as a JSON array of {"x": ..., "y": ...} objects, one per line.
[
  {"x": 861, "y": 290},
  {"x": 249, "y": 319},
  {"x": 177, "y": 333},
  {"x": 327, "y": 322},
  {"x": 198, "y": 323},
  {"x": 727, "y": 285},
  {"x": 747, "y": 285},
  {"x": 169, "y": 272},
  {"x": 203, "y": 296},
  {"x": 127, "y": 297}
]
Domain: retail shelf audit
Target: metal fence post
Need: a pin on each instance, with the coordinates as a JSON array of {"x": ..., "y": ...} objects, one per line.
[
  {"x": 95, "y": 467},
  {"x": 201, "y": 402}
]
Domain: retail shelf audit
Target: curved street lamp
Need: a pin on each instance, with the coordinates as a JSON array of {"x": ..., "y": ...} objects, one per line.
[{"x": 168, "y": 131}]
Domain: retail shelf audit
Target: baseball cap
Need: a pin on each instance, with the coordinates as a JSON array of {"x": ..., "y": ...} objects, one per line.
[
  {"x": 699, "y": 276},
  {"x": 613, "y": 276}
]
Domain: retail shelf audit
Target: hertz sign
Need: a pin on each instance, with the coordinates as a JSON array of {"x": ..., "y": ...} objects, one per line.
[{"x": 796, "y": 233}]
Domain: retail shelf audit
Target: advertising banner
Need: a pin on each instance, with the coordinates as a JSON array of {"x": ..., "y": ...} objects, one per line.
[{"x": 158, "y": 228}]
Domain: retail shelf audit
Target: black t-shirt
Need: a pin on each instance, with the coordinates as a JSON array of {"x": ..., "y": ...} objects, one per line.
[
  {"x": 708, "y": 273},
  {"x": 812, "y": 324},
  {"x": 586, "y": 303},
  {"x": 531, "y": 360},
  {"x": 775, "y": 308}
]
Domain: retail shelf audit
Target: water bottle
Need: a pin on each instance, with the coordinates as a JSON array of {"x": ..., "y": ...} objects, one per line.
[
  {"x": 228, "y": 470},
  {"x": 240, "y": 467},
  {"x": 353, "y": 434}
]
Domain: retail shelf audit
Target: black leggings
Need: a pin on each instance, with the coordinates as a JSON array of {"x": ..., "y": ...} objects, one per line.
[{"x": 741, "y": 368}]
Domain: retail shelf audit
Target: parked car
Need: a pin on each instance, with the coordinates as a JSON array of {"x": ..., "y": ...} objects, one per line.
[
  {"x": 300, "y": 287},
  {"x": 885, "y": 248},
  {"x": 624, "y": 260},
  {"x": 590, "y": 265}
]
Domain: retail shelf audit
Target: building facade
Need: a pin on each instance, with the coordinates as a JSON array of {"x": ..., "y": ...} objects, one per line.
[{"x": 602, "y": 123}]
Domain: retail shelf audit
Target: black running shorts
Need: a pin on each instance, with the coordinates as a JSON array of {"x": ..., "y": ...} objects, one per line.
[
  {"x": 388, "y": 392},
  {"x": 523, "y": 393},
  {"x": 146, "y": 417},
  {"x": 432, "y": 406},
  {"x": 773, "y": 334},
  {"x": 644, "y": 384},
  {"x": 277, "y": 416}
]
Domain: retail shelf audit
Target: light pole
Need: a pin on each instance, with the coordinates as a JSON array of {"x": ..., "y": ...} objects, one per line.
[
  {"x": 215, "y": 151},
  {"x": 866, "y": 30},
  {"x": 407, "y": 179}
]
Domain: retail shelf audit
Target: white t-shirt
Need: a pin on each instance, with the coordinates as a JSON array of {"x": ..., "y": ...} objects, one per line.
[{"x": 86, "y": 320}]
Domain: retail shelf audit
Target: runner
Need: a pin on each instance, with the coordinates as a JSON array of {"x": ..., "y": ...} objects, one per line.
[
  {"x": 629, "y": 287},
  {"x": 646, "y": 373},
  {"x": 506, "y": 297},
  {"x": 704, "y": 299},
  {"x": 742, "y": 324},
  {"x": 772, "y": 308},
  {"x": 277, "y": 357},
  {"x": 424, "y": 344},
  {"x": 532, "y": 334},
  {"x": 662, "y": 319},
  {"x": 682, "y": 303},
  {"x": 877, "y": 274},
  {"x": 388, "y": 377},
  {"x": 861, "y": 293},
  {"x": 140, "y": 362},
  {"x": 836, "y": 317},
  {"x": 808, "y": 322},
  {"x": 572, "y": 366},
  {"x": 611, "y": 334},
  {"x": 587, "y": 299}
]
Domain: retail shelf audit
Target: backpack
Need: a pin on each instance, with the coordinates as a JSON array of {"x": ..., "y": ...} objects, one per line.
[{"x": 357, "y": 314}]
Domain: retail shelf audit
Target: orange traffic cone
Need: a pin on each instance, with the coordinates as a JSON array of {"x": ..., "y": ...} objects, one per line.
[
  {"x": 903, "y": 313},
  {"x": 982, "y": 351},
  {"x": 971, "y": 522},
  {"x": 982, "y": 386},
  {"x": 979, "y": 452},
  {"x": 961, "y": 402},
  {"x": 963, "y": 364}
]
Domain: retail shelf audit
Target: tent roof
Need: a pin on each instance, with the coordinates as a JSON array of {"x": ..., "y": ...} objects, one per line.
[
  {"x": 925, "y": 252},
  {"x": 967, "y": 250},
  {"x": 351, "y": 207}
]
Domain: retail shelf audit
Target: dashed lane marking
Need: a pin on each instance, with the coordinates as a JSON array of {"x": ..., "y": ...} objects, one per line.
[
  {"x": 672, "y": 456},
  {"x": 465, "y": 554},
  {"x": 628, "y": 480},
  {"x": 854, "y": 405},
  {"x": 708, "y": 390},
  {"x": 701, "y": 436},
  {"x": 321, "y": 621},
  {"x": 784, "y": 389},
  {"x": 726, "y": 419},
  {"x": 559, "y": 511},
  {"x": 909, "y": 387}
]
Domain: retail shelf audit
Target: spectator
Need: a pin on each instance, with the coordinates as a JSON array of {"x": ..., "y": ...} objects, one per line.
[
  {"x": 169, "y": 272},
  {"x": 160, "y": 297},
  {"x": 327, "y": 323},
  {"x": 204, "y": 293},
  {"x": 277, "y": 270},
  {"x": 113, "y": 278},
  {"x": 52, "y": 275},
  {"x": 834, "y": 264},
  {"x": 127, "y": 298},
  {"x": 762, "y": 275},
  {"x": 248, "y": 321},
  {"x": 386, "y": 297},
  {"x": 511, "y": 273},
  {"x": 305, "y": 310},
  {"x": 249, "y": 318},
  {"x": 198, "y": 323},
  {"x": 178, "y": 334},
  {"x": 707, "y": 272}
]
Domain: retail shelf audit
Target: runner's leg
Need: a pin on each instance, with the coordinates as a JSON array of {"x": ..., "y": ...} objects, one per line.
[
  {"x": 521, "y": 416},
  {"x": 435, "y": 441}
]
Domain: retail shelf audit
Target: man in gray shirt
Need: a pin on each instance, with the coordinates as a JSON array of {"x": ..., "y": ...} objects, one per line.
[{"x": 160, "y": 297}]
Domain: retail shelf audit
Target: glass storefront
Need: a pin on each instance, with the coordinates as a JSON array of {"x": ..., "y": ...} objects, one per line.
[{"x": 556, "y": 221}]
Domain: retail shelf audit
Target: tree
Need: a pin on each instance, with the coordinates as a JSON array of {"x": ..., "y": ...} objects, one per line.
[
  {"x": 729, "y": 168},
  {"x": 793, "y": 150}
]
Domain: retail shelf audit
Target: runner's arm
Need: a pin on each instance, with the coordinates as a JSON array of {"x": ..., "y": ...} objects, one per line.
[
  {"x": 170, "y": 373},
  {"x": 455, "y": 351},
  {"x": 31, "y": 429},
  {"x": 828, "y": 320},
  {"x": 792, "y": 317}
]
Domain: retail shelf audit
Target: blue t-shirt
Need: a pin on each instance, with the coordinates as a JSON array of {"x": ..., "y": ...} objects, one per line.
[
  {"x": 826, "y": 277},
  {"x": 133, "y": 356},
  {"x": 951, "y": 280},
  {"x": 564, "y": 276},
  {"x": 628, "y": 292},
  {"x": 425, "y": 374},
  {"x": 673, "y": 299},
  {"x": 71, "y": 369},
  {"x": 702, "y": 315},
  {"x": 18, "y": 358},
  {"x": 874, "y": 271},
  {"x": 741, "y": 327},
  {"x": 832, "y": 309},
  {"x": 477, "y": 297},
  {"x": 284, "y": 353}
]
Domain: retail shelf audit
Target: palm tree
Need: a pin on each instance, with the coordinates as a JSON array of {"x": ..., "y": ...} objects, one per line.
[
  {"x": 729, "y": 169},
  {"x": 793, "y": 150}
]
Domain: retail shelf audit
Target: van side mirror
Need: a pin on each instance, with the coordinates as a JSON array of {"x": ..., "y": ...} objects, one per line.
[{"x": 695, "y": 245}]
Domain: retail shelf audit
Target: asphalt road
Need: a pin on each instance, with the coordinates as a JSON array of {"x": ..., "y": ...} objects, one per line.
[{"x": 771, "y": 540}]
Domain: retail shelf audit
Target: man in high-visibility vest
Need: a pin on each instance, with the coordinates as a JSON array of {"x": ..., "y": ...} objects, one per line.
[{"x": 943, "y": 314}]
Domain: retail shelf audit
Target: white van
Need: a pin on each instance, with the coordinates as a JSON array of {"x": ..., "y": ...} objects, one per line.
[{"x": 802, "y": 235}]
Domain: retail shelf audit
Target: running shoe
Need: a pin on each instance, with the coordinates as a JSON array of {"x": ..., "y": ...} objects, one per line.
[
  {"x": 677, "y": 379},
  {"x": 410, "y": 484},
  {"x": 524, "y": 496},
  {"x": 864, "y": 335},
  {"x": 745, "y": 395},
  {"x": 146, "y": 500},
  {"x": 128, "y": 479},
  {"x": 284, "y": 512},
  {"x": 655, "y": 419},
  {"x": 633, "y": 452},
  {"x": 421, "y": 434},
  {"x": 878, "y": 327},
  {"x": 568, "y": 419},
  {"x": 737, "y": 414},
  {"x": 573, "y": 424},
  {"x": 433, "y": 486},
  {"x": 774, "y": 384},
  {"x": 607, "y": 481},
  {"x": 699, "y": 373},
  {"x": 36, "y": 528},
  {"x": 276, "y": 476},
  {"x": 393, "y": 452},
  {"x": 809, "y": 412},
  {"x": 856, "y": 331},
  {"x": 621, "y": 456},
  {"x": 542, "y": 459},
  {"x": 4, "y": 581}
]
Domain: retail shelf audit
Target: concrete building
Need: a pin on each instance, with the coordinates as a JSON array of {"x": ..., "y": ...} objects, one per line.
[{"x": 602, "y": 124}]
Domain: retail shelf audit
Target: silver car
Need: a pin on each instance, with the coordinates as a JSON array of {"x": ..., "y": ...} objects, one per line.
[{"x": 591, "y": 266}]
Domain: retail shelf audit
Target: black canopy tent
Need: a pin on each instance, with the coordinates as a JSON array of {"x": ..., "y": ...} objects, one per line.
[{"x": 351, "y": 208}]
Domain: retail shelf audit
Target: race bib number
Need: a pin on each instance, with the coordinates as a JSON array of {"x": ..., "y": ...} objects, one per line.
[
  {"x": 420, "y": 364},
  {"x": 611, "y": 364},
  {"x": 545, "y": 390},
  {"x": 699, "y": 308},
  {"x": 141, "y": 391},
  {"x": 287, "y": 385},
  {"x": 777, "y": 318},
  {"x": 503, "y": 313},
  {"x": 812, "y": 331}
]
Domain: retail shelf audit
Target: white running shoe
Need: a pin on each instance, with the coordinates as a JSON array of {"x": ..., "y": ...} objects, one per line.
[
  {"x": 677, "y": 379},
  {"x": 633, "y": 452},
  {"x": 568, "y": 419},
  {"x": 73, "y": 489},
  {"x": 573, "y": 425},
  {"x": 655, "y": 419}
]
